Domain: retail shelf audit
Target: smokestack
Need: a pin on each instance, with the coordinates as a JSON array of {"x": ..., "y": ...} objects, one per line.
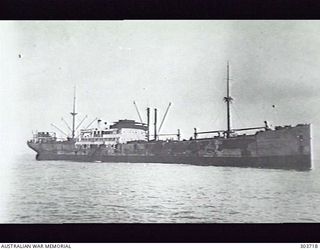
[
  {"x": 155, "y": 124},
  {"x": 99, "y": 121},
  {"x": 148, "y": 123}
]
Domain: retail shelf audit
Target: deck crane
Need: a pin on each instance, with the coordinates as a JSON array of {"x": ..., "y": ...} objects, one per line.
[
  {"x": 135, "y": 105},
  {"x": 91, "y": 122},
  {"x": 164, "y": 117},
  {"x": 59, "y": 129},
  {"x": 66, "y": 124},
  {"x": 81, "y": 122}
]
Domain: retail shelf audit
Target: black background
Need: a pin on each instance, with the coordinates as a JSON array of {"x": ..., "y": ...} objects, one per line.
[
  {"x": 158, "y": 233},
  {"x": 159, "y": 9}
]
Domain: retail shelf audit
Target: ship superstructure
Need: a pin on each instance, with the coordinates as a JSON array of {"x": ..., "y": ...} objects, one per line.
[{"x": 122, "y": 131}]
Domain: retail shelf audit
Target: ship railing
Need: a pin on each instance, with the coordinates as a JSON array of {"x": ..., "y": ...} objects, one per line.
[
  {"x": 218, "y": 132},
  {"x": 165, "y": 135},
  {"x": 44, "y": 134},
  {"x": 224, "y": 132},
  {"x": 244, "y": 129},
  {"x": 43, "y": 139},
  {"x": 178, "y": 135},
  {"x": 93, "y": 139}
]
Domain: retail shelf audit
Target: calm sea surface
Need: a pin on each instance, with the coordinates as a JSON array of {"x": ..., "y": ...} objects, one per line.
[{"x": 71, "y": 192}]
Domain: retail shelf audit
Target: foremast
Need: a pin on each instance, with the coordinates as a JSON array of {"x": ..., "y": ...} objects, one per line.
[{"x": 73, "y": 113}]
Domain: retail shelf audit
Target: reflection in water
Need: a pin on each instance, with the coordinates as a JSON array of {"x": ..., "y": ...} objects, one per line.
[{"x": 72, "y": 192}]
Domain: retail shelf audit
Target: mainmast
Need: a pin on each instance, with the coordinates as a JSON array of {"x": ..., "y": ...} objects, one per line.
[
  {"x": 228, "y": 100},
  {"x": 73, "y": 113}
]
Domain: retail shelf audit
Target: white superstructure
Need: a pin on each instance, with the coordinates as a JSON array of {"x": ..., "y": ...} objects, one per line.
[{"x": 122, "y": 131}]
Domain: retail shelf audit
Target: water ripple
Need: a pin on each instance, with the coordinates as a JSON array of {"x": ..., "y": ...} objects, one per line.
[{"x": 71, "y": 192}]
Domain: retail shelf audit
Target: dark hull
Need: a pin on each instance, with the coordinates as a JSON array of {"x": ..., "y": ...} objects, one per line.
[
  {"x": 285, "y": 148},
  {"x": 299, "y": 162}
]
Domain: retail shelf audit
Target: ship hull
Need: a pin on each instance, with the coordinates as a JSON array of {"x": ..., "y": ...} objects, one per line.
[
  {"x": 300, "y": 162},
  {"x": 285, "y": 148}
]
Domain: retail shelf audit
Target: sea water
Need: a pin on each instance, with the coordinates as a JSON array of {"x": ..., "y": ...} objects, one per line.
[{"x": 76, "y": 192}]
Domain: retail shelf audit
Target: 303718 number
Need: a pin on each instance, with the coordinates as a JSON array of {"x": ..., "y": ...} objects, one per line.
[{"x": 309, "y": 245}]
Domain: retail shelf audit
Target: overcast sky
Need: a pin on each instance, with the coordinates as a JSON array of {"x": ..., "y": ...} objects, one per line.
[{"x": 113, "y": 63}]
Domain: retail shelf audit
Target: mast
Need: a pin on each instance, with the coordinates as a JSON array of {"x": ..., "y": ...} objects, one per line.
[
  {"x": 73, "y": 113},
  {"x": 148, "y": 123},
  {"x": 155, "y": 124},
  {"x": 228, "y": 100}
]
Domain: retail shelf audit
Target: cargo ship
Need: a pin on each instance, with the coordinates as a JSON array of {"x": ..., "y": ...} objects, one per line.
[{"x": 282, "y": 147}]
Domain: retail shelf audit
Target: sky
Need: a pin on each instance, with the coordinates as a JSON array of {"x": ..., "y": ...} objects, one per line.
[{"x": 274, "y": 67}]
